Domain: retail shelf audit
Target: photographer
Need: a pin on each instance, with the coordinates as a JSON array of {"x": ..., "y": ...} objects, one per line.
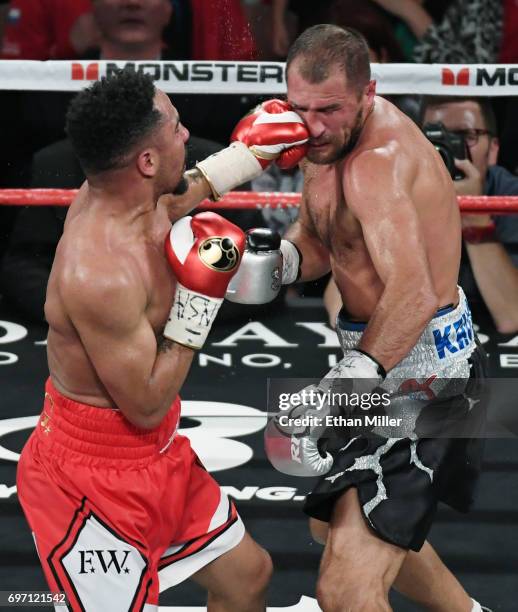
[{"x": 489, "y": 270}]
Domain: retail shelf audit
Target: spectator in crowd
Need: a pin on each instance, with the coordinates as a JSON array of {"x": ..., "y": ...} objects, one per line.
[
  {"x": 216, "y": 30},
  {"x": 47, "y": 29},
  {"x": 221, "y": 31},
  {"x": 366, "y": 17},
  {"x": 362, "y": 15},
  {"x": 37, "y": 30},
  {"x": 410, "y": 19},
  {"x": 131, "y": 30},
  {"x": 404, "y": 20},
  {"x": 489, "y": 271},
  {"x": 469, "y": 31},
  {"x": 66, "y": 29},
  {"x": 307, "y": 12},
  {"x": 280, "y": 35},
  {"x": 405, "y": 28}
]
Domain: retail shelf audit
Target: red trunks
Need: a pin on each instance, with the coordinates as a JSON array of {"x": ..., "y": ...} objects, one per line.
[{"x": 112, "y": 505}]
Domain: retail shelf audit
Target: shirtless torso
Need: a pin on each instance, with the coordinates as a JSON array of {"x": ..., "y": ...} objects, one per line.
[
  {"x": 98, "y": 246},
  {"x": 429, "y": 185},
  {"x": 386, "y": 222}
]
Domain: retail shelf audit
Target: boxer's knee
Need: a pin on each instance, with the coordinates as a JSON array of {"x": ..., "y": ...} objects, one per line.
[
  {"x": 249, "y": 593},
  {"x": 262, "y": 573},
  {"x": 337, "y": 593},
  {"x": 258, "y": 575}
]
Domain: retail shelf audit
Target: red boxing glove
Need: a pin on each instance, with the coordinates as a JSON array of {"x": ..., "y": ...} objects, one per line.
[
  {"x": 273, "y": 131},
  {"x": 204, "y": 252}
]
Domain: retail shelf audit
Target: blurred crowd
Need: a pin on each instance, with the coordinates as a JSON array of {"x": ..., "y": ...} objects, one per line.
[{"x": 36, "y": 152}]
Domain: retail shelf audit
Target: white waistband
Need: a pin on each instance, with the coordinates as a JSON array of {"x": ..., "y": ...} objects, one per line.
[{"x": 447, "y": 339}]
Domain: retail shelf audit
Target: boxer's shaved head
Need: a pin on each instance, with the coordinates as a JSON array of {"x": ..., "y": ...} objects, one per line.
[
  {"x": 108, "y": 119},
  {"x": 323, "y": 48}
]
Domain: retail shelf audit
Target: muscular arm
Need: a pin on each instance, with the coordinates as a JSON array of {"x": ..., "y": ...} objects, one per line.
[
  {"x": 280, "y": 38},
  {"x": 411, "y": 12},
  {"x": 377, "y": 188},
  {"x": 315, "y": 256},
  {"x": 180, "y": 205},
  {"x": 141, "y": 376}
]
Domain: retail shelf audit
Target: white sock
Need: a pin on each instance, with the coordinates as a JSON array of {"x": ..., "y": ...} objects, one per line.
[{"x": 476, "y": 606}]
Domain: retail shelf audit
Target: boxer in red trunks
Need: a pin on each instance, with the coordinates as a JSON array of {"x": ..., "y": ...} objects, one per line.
[{"x": 119, "y": 505}]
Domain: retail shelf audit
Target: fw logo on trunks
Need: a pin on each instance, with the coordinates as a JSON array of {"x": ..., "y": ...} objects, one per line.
[
  {"x": 454, "y": 337},
  {"x": 104, "y": 560},
  {"x": 90, "y": 72}
]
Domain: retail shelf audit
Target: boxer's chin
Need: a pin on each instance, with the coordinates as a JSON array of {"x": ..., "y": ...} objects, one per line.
[
  {"x": 181, "y": 187},
  {"x": 325, "y": 155},
  {"x": 334, "y": 151}
]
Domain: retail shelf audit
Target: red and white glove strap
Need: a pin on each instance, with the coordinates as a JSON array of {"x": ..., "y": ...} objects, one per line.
[
  {"x": 191, "y": 317},
  {"x": 229, "y": 168}
]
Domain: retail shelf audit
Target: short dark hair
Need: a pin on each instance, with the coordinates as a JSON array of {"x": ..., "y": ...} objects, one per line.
[
  {"x": 106, "y": 120},
  {"x": 324, "y": 46},
  {"x": 486, "y": 108}
]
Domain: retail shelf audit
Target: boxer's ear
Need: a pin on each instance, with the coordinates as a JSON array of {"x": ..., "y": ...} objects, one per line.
[
  {"x": 147, "y": 162},
  {"x": 370, "y": 90}
]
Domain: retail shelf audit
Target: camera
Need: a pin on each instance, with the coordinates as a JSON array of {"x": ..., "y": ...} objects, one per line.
[{"x": 449, "y": 144}]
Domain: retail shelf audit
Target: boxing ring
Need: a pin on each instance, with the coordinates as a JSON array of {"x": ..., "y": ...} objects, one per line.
[
  {"x": 251, "y": 200},
  {"x": 224, "y": 396}
]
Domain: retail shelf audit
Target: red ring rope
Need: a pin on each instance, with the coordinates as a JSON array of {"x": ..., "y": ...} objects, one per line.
[{"x": 246, "y": 200}]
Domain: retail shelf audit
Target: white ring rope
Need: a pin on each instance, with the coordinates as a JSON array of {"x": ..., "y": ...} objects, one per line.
[{"x": 262, "y": 78}]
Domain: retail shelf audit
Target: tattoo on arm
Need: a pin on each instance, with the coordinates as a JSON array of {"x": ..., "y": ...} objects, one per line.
[{"x": 164, "y": 344}]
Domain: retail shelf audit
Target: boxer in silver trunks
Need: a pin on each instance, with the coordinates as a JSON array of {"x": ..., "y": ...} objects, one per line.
[{"x": 379, "y": 211}]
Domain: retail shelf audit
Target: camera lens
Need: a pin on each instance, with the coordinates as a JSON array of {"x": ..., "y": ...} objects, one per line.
[
  {"x": 447, "y": 157},
  {"x": 449, "y": 145}
]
